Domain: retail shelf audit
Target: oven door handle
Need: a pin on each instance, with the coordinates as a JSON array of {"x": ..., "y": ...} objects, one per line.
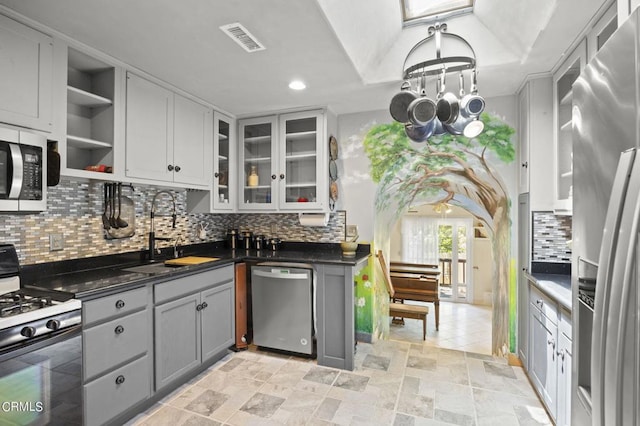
[{"x": 18, "y": 170}]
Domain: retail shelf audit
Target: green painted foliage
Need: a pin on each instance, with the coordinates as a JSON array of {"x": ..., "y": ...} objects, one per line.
[{"x": 390, "y": 150}]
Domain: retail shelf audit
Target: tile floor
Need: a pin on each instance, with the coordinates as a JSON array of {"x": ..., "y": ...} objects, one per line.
[
  {"x": 462, "y": 326},
  {"x": 395, "y": 382}
]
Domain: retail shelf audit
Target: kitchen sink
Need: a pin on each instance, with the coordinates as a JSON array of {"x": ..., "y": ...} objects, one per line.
[{"x": 151, "y": 269}]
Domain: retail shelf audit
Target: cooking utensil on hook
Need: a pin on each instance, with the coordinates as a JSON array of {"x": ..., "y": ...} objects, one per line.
[
  {"x": 422, "y": 110},
  {"x": 112, "y": 217},
  {"x": 105, "y": 217},
  {"x": 119, "y": 220},
  {"x": 400, "y": 102},
  {"x": 447, "y": 107}
]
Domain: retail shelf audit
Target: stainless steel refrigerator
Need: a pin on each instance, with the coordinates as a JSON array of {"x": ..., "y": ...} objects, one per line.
[{"x": 606, "y": 219}]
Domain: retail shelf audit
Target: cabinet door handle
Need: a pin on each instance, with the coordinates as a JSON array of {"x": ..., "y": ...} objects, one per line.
[
  {"x": 199, "y": 307},
  {"x": 525, "y": 164},
  {"x": 540, "y": 303},
  {"x": 216, "y": 174},
  {"x": 552, "y": 343},
  {"x": 177, "y": 168},
  {"x": 204, "y": 305},
  {"x": 120, "y": 380},
  {"x": 273, "y": 177},
  {"x": 119, "y": 329},
  {"x": 170, "y": 167},
  {"x": 120, "y": 304},
  {"x": 281, "y": 175}
]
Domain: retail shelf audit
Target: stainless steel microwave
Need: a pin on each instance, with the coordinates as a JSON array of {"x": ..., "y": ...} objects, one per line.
[{"x": 23, "y": 164}]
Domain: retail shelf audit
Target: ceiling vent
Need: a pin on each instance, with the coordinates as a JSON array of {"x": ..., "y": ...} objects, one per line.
[{"x": 243, "y": 37}]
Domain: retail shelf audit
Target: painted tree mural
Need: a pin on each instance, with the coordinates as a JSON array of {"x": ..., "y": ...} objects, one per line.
[{"x": 458, "y": 171}]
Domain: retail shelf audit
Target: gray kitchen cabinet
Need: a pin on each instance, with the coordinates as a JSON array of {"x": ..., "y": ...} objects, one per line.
[
  {"x": 523, "y": 283},
  {"x": 116, "y": 354},
  {"x": 535, "y": 106},
  {"x": 542, "y": 357},
  {"x": 564, "y": 354},
  {"x": 283, "y": 164},
  {"x": 218, "y": 328},
  {"x": 550, "y": 354},
  {"x": 168, "y": 137},
  {"x": 93, "y": 104},
  {"x": 335, "y": 311},
  {"x": 26, "y": 76},
  {"x": 563, "y": 79},
  {"x": 194, "y": 322}
]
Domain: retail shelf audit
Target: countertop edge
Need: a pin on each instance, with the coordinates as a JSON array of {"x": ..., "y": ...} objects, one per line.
[
  {"x": 184, "y": 271},
  {"x": 553, "y": 287}
]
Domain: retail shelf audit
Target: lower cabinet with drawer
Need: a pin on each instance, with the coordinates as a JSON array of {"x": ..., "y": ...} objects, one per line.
[
  {"x": 194, "y": 322},
  {"x": 117, "y": 354},
  {"x": 550, "y": 354}
]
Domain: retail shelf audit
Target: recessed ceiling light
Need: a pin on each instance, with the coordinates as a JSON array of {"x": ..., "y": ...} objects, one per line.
[{"x": 297, "y": 85}]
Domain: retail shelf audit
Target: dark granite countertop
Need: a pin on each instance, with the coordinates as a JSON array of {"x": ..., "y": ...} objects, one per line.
[
  {"x": 556, "y": 286},
  {"x": 88, "y": 278}
]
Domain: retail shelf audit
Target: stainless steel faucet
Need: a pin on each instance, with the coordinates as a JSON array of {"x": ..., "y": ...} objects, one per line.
[
  {"x": 176, "y": 244},
  {"x": 152, "y": 232}
]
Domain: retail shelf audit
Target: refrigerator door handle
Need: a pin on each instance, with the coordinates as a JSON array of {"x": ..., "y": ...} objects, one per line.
[
  {"x": 607, "y": 407},
  {"x": 606, "y": 263}
]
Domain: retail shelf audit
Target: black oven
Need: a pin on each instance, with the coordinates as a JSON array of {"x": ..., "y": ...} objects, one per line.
[
  {"x": 40, "y": 351},
  {"x": 22, "y": 168}
]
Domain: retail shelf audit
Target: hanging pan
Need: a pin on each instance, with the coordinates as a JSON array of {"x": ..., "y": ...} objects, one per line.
[
  {"x": 422, "y": 110},
  {"x": 400, "y": 103},
  {"x": 447, "y": 108}
]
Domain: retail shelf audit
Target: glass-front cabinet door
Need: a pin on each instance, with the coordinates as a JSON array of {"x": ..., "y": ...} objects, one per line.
[
  {"x": 224, "y": 161},
  {"x": 302, "y": 161},
  {"x": 258, "y": 174}
]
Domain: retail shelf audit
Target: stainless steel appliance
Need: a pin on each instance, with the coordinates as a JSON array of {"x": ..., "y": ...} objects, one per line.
[
  {"x": 23, "y": 163},
  {"x": 606, "y": 220},
  {"x": 40, "y": 351},
  {"x": 284, "y": 317}
]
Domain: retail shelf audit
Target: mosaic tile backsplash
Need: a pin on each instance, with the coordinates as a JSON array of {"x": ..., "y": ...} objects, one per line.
[
  {"x": 75, "y": 207},
  {"x": 551, "y": 233}
]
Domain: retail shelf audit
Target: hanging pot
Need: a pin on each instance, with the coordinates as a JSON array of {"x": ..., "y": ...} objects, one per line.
[
  {"x": 422, "y": 110},
  {"x": 471, "y": 106},
  {"x": 400, "y": 103},
  {"x": 419, "y": 133},
  {"x": 447, "y": 107}
]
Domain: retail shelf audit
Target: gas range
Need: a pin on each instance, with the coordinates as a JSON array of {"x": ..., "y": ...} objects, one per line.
[{"x": 29, "y": 315}]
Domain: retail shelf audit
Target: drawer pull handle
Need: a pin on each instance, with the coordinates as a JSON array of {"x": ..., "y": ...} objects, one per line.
[
  {"x": 120, "y": 380},
  {"x": 120, "y": 304},
  {"x": 119, "y": 329}
]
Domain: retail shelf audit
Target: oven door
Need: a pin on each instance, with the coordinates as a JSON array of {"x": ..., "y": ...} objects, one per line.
[{"x": 42, "y": 384}]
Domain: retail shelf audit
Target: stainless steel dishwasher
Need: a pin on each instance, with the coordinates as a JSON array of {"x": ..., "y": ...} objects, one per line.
[{"x": 282, "y": 307}]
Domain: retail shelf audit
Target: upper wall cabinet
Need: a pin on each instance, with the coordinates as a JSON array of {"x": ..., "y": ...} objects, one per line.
[
  {"x": 602, "y": 30},
  {"x": 283, "y": 163},
  {"x": 92, "y": 87},
  {"x": 26, "y": 67},
  {"x": 536, "y": 141},
  {"x": 563, "y": 80},
  {"x": 224, "y": 163},
  {"x": 168, "y": 137}
]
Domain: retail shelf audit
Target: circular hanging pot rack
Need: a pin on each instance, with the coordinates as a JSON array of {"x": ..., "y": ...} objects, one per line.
[{"x": 439, "y": 63}]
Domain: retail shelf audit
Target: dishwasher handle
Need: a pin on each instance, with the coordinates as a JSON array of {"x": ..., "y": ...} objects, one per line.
[{"x": 274, "y": 273}]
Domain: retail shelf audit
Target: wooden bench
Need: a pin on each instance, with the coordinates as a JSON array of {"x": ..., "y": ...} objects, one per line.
[{"x": 402, "y": 310}]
